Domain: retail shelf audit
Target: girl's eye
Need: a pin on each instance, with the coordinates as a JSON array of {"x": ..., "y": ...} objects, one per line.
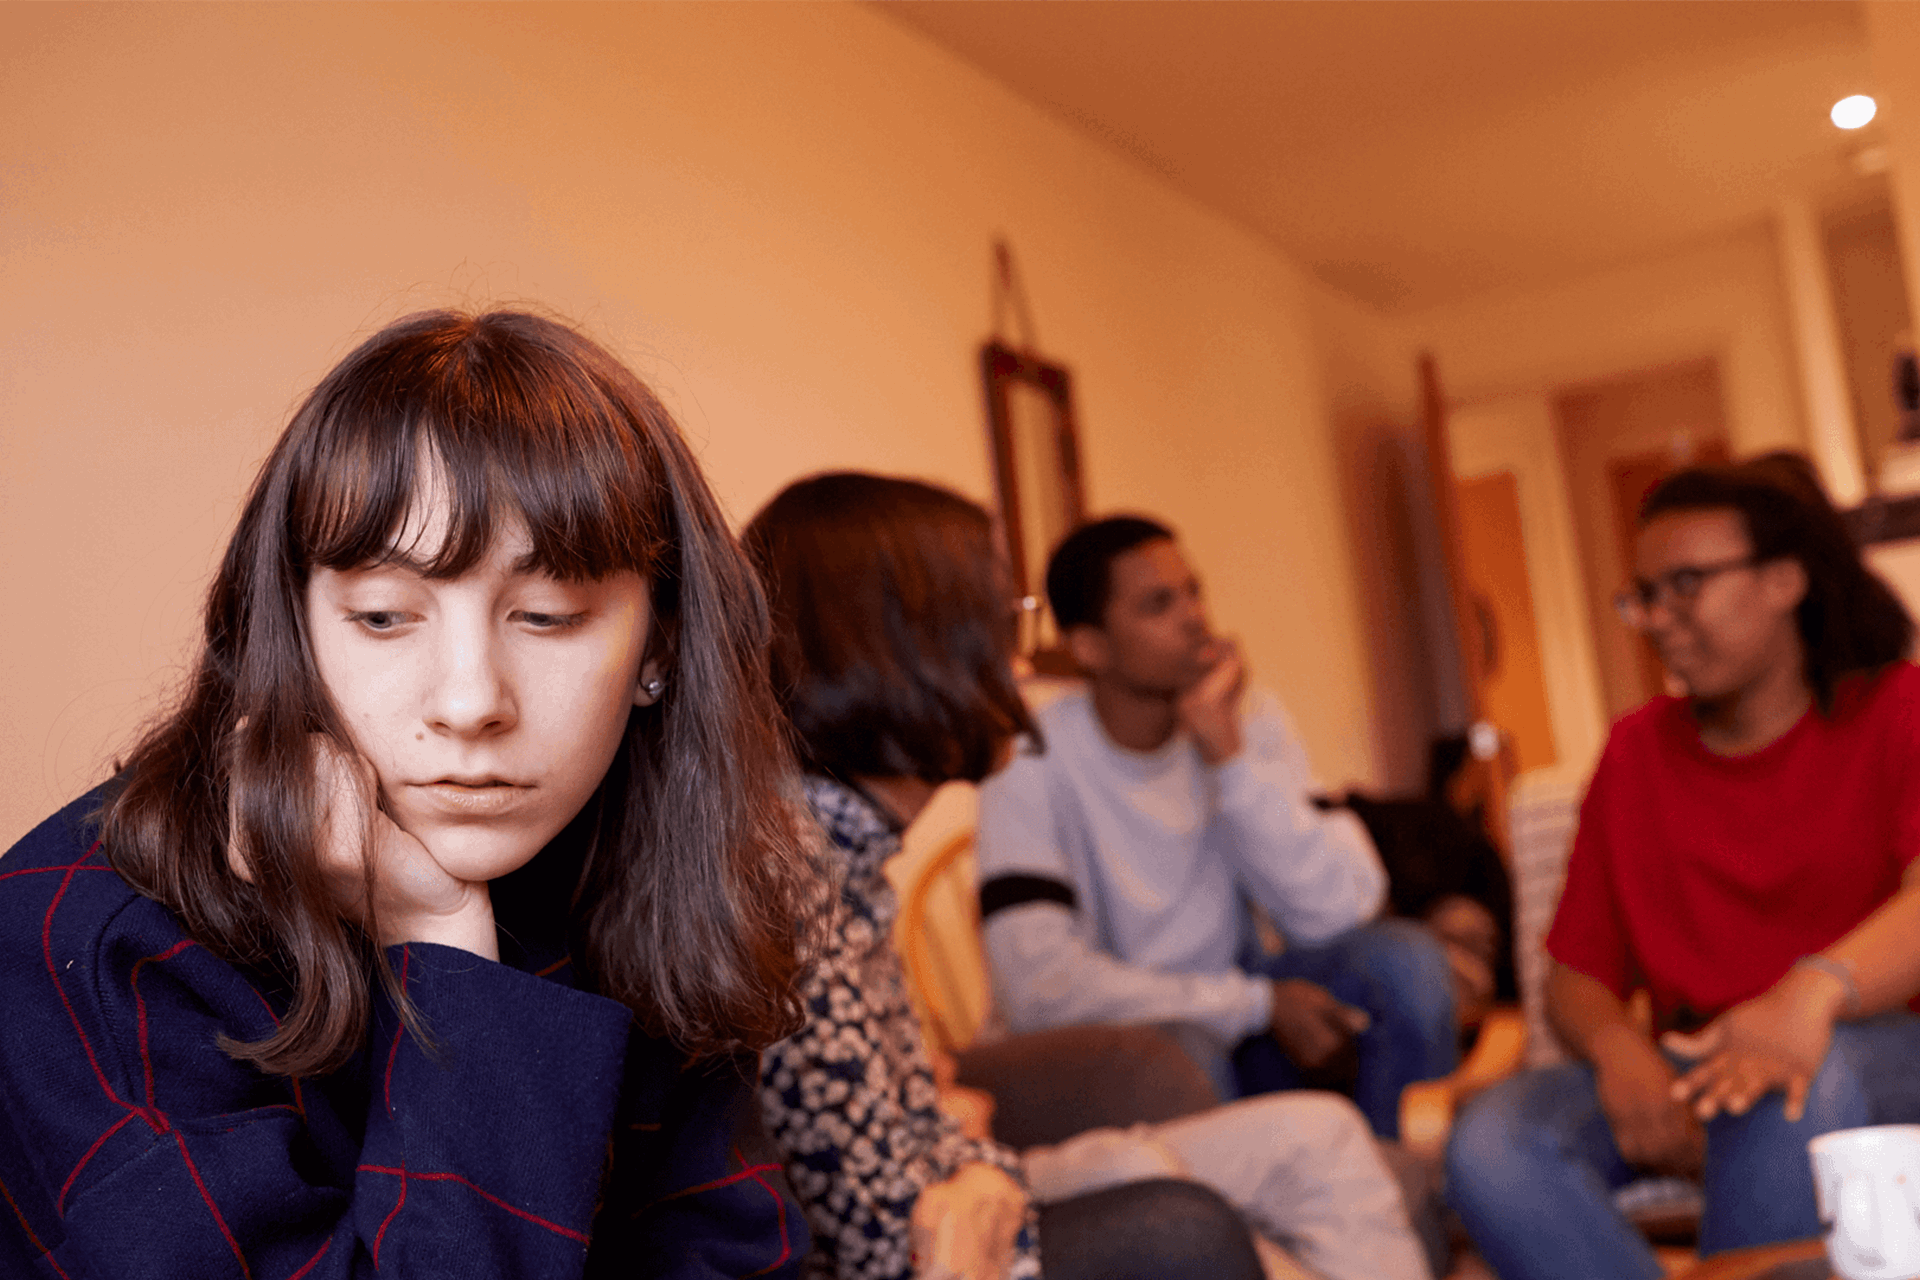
[
  {"x": 377, "y": 620},
  {"x": 550, "y": 621}
]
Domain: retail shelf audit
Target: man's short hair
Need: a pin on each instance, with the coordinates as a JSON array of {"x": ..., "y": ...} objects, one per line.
[{"x": 1080, "y": 572}]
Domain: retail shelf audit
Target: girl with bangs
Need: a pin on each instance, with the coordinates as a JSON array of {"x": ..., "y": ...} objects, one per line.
[{"x": 436, "y": 930}]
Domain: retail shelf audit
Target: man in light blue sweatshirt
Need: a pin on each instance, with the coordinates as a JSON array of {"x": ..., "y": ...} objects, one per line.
[{"x": 1117, "y": 866}]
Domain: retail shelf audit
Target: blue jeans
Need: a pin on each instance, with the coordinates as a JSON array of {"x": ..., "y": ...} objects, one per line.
[
  {"x": 1396, "y": 971},
  {"x": 1532, "y": 1166}
]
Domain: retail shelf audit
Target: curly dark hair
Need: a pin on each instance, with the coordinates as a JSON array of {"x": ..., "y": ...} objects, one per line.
[{"x": 1850, "y": 621}]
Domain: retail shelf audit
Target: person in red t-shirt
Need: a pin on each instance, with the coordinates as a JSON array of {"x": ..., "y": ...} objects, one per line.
[{"x": 1746, "y": 855}]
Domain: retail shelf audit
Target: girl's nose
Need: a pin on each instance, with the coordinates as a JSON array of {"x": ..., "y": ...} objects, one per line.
[{"x": 471, "y": 694}]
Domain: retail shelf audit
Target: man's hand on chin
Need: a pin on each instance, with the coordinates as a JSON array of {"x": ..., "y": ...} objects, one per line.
[{"x": 1210, "y": 710}]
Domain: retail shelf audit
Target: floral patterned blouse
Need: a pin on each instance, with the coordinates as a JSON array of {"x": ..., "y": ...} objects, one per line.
[{"x": 850, "y": 1099}]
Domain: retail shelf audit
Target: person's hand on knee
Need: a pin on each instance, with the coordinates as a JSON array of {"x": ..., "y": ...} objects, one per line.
[
  {"x": 1775, "y": 1041},
  {"x": 1651, "y": 1128},
  {"x": 965, "y": 1228},
  {"x": 1312, "y": 1025}
]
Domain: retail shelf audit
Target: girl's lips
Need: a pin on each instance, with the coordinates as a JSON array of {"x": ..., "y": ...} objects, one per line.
[{"x": 473, "y": 800}]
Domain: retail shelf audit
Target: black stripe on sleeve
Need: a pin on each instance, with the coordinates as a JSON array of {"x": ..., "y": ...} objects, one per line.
[{"x": 1002, "y": 892}]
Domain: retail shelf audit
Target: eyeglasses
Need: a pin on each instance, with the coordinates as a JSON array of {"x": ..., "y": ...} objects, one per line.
[
  {"x": 1026, "y": 625},
  {"x": 1674, "y": 588}
]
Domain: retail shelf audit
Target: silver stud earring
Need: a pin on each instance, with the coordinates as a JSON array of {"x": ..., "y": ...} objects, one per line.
[{"x": 654, "y": 686}]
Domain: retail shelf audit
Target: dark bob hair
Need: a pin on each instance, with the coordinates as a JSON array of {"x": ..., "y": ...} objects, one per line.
[
  {"x": 893, "y": 627},
  {"x": 1850, "y": 621},
  {"x": 696, "y": 861},
  {"x": 1080, "y": 571}
]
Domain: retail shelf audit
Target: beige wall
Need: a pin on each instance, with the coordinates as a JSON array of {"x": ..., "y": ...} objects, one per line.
[
  {"x": 1722, "y": 299},
  {"x": 1873, "y": 317},
  {"x": 780, "y": 213},
  {"x": 1893, "y": 30},
  {"x": 1368, "y": 380}
]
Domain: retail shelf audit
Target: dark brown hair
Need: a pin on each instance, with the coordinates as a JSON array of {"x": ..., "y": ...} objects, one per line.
[
  {"x": 893, "y": 627},
  {"x": 1849, "y": 620},
  {"x": 1080, "y": 570},
  {"x": 698, "y": 861}
]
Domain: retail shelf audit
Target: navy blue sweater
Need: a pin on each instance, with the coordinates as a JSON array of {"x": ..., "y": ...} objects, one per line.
[{"x": 539, "y": 1136}]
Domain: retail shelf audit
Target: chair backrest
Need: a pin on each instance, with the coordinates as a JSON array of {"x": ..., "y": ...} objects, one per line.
[
  {"x": 938, "y": 937},
  {"x": 1542, "y": 812}
]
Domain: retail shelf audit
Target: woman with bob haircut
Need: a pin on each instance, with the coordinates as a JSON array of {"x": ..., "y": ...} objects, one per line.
[
  {"x": 894, "y": 633},
  {"x": 1746, "y": 853},
  {"x": 433, "y": 930}
]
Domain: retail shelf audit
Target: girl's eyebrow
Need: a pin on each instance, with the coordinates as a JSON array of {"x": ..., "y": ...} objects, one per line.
[
  {"x": 393, "y": 558},
  {"x": 527, "y": 565}
]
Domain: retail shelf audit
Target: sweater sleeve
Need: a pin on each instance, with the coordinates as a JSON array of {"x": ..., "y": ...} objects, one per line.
[
  {"x": 481, "y": 1154},
  {"x": 1047, "y": 969},
  {"x": 697, "y": 1190},
  {"x": 1316, "y": 873}
]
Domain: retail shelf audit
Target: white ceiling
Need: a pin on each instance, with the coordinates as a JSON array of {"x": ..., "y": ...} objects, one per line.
[{"x": 1413, "y": 152}]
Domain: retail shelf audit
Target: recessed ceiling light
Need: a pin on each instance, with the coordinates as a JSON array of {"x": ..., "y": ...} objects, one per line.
[{"x": 1851, "y": 113}]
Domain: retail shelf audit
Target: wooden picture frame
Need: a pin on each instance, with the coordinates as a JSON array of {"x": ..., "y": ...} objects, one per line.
[{"x": 1036, "y": 468}]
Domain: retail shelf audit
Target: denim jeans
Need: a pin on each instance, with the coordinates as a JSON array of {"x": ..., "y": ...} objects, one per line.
[
  {"x": 1396, "y": 971},
  {"x": 1532, "y": 1165}
]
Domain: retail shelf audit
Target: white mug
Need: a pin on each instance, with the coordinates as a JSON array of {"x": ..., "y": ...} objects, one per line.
[{"x": 1867, "y": 1185}]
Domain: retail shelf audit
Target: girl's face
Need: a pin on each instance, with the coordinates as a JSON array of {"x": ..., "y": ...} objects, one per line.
[
  {"x": 490, "y": 705},
  {"x": 1738, "y": 626}
]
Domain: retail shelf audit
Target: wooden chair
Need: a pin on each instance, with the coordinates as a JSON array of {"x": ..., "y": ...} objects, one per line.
[
  {"x": 1540, "y": 821},
  {"x": 1427, "y": 1108},
  {"x": 938, "y": 937}
]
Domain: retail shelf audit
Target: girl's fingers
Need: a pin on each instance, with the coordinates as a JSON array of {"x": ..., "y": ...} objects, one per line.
[
  {"x": 1698, "y": 1080},
  {"x": 1796, "y": 1104},
  {"x": 1009, "y": 1229},
  {"x": 1700, "y": 1044},
  {"x": 1733, "y": 1085},
  {"x": 237, "y": 860},
  {"x": 347, "y": 785},
  {"x": 1711, "y": 1086},
  {"x": 1711, "y": 1099},
  {"x": 952, "y": 1246},
  {"x": 926, "y": 1266}
]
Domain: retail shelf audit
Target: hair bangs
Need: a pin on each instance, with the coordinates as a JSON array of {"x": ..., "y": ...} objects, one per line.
[{"x": 496, "y": 434}]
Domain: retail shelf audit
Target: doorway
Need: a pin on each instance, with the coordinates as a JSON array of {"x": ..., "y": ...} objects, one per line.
[
  {"x": 1493, "y": 558},
  {"x": 1618, "y": 438}
]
